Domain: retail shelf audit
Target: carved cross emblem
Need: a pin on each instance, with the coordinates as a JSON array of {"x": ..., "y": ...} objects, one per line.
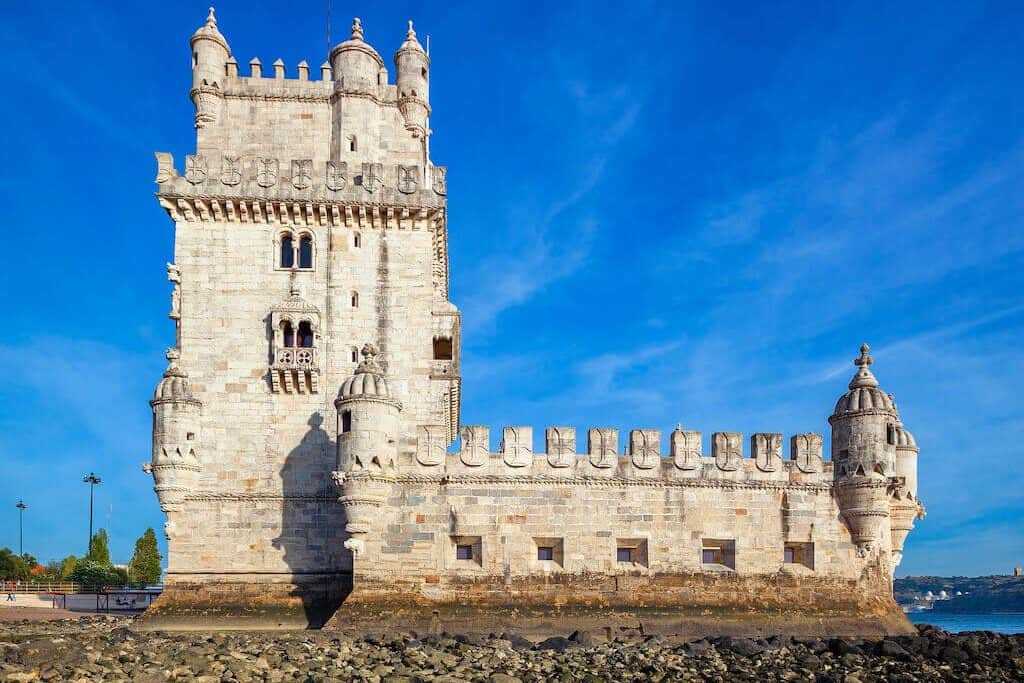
[
  {"x": 373, "y": 177},
  {"x": 195, "y": 168},
  {"x": 561, "y": 446},
  {"x": 266, "y": 171},
  {"x": 231, "y": 173},
  {"x": 516, "y": 447},
  {"x": 440, "y": 175},
  {"x": 644, "y": 447},
  {"x": 430, "y": 445},
  {"x": 727, "y": 450},
  {"x": 602, "y": 445},
  {"x": 302, "y": 173},
  {"x": 408, "y": 179},
  {"x": 685, "y": 449},
  {"x": 337, "y": 172},
  {"x": 474, "y": 446}
]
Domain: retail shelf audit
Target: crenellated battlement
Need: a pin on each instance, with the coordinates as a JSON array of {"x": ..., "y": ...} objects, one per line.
[{"x": 641, "y": 457}]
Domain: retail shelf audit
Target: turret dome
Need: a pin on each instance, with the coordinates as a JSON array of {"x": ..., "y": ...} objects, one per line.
[
  {"x": 175, "y": 385},
  {"x": 904, "y": 439},
  {"x": 210, "y": 31},
  {"x": 411, "y": 42},
  {"x": 356, "y": 64},
  {"x": 368, "y": 380},
  {"x": 864, "y": 393}
]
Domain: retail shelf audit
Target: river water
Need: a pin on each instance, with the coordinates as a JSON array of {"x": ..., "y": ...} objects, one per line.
[{"x": 1000, "y": 623}]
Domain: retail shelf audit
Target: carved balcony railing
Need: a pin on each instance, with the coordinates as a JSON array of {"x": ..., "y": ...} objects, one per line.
[
  {"x": 295, "y": 370},
  {"x": 444, "y": 369}
]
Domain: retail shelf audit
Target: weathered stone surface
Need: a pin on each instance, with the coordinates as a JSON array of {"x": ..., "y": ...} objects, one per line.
[{"x": 302, "y": 426}]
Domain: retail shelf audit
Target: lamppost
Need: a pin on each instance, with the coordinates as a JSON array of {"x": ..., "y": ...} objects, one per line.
[
  {"x": 90, "y": 479},
  {"x": 21, "y": 526}
]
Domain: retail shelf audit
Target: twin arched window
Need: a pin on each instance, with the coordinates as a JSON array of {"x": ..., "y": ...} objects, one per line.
[
  {"x": 301, "y": 337},
  {"x": 295, "y": 250}
]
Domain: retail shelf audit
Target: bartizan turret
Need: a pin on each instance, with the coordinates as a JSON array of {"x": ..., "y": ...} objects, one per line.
[
  {"x": 175, "y": 461},
  {"x": 412, "y": 75},
  {"x": 367, "y": 445},
  {"x": 210, "y": 55},
  {"x": 904, "y": 505},
  {"x": 357, "y": 67},
  {"x": 864, "y": 454}
]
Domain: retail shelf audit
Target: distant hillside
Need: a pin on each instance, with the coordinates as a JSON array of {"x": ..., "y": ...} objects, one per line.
[{"x": 979, "y": 593}]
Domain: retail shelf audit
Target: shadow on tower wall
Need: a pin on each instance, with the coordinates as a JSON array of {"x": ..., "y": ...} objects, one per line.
[{"x": 313, "y": 527}]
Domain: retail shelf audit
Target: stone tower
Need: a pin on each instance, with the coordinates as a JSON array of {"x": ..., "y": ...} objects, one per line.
[{"x": 309, "y": 224}]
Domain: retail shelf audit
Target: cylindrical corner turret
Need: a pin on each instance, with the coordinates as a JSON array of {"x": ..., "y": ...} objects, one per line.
[
  {"x": 367, "y": 443},
  {"x": 412, "y": 76},
  {"x": 864, "y": 453},
  {"x": 357, "y": 67},
  {"x": 904, "y": 506},
  {"x": 210, "y": 55},
  {"x": 176, "y": 420}
]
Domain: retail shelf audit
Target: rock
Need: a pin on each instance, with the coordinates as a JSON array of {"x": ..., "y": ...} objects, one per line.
[
  {"x": 519, "y": 642},
  {"x": 745, "y": 647},
  {"x": 890, "y": 648},
  {"x": 583, "y": 638},
  {"x": 504, "y": 678},
  {"x": 556, "y": 643}
]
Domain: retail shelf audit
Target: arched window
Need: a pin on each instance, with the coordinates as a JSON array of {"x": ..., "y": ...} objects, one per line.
[
  {"x": 355, "y": 299},
  {"x": 288, "y": 333},
  {"x": 305, "y": 339},
  {"x": 287, "y": 251},
  {"x": 357, "y": 240},
  {"x": 306, "y": 252}
]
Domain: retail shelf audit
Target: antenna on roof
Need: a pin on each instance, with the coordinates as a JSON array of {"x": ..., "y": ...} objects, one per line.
[{"x": 328, "y": 29}]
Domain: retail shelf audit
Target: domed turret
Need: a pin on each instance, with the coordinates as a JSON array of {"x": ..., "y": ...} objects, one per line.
[
  {"x": 904, "y": 506},
  {"x": 210, "y": 54},
  {"x": 864, "y": 453},
  {"x": 175, "y": 457},
  {"x": 412, "y": 76},
  {"x": 367, "y": 443},
  {"x": 357, "y": 66}
]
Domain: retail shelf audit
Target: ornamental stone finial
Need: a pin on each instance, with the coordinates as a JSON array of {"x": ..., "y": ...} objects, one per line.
[
  {"x": 357, "y": 29},
  {"x": 410, "y": 34},
  {"x": 172, "y": 355},
  {"x": 864, "y": 359},
  {"x": 211, "y": 20}
]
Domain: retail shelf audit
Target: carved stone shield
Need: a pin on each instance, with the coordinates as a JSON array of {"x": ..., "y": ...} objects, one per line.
[
  {"x": 685, "y": 448},
  {"x": 475, "y": 445},
  {"x": 266, "y": 171},
  {"x": 373, "y": 177},
  {"x": 561, "y": 446},
  {"x": 408, "y": 179},
  {"x": 727, "y": 449},
  {"x": 195, "y": 168},
  {"x": 440, "y": 176},
  {"x": 430, "y": 445},
  {"x": 302, "y": 173},
  {"x": 231, "y": 171},
  {"x": 645, "y": 448},
  {"x": 805, "y": 449},
  {"x": 603, "y": 447},
  {"x": 767, "y": 451},
  {"x": 517, "y": 446},
  {"x": 337, "y": 175}
]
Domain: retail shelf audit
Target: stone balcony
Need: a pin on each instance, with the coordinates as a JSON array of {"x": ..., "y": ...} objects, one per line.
[{"x": 295, "y": 370}]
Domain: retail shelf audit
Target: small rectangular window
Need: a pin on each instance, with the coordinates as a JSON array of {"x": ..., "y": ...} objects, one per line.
[
  {"x": 718, "y": 553},
  {"x": 463, "y": 552},
  {"x": 346, "y": 421},
  {"x": 788, "y": 555},
  {"x": 545, "y": 553},
  {"x": 624, "y": 555},
  {"x": 799, "y": 553}
]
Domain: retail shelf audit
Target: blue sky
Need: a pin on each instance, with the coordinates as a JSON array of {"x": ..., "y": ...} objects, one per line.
[{"x": 659, "y": 213}]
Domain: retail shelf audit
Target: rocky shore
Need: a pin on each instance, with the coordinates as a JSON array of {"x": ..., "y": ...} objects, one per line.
[{"x": 105, "y": 649}]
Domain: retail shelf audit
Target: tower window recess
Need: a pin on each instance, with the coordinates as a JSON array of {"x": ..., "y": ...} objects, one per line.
[
  {"x": 546, "y": 553},
  {"x": 468, "y": 550},
  {"x": 624, "y": 555},
  {"x": 295, "y": 250},
  {"x": 355, "y": 355},
  {"x": 355, "y": 299},
  {"x": 442, "y": 348},
  {"x": 799, "y": 553},
  {"x": 549, "y": 551},
  {"x": 305, "y": 339},
  {"x": 346, "y": 421},
  {"x": 718, "y": 554},
  {"x": 353, "y": 146},
  {"x": 357, "y": 240},
  {"x": 890, "y": 435}
]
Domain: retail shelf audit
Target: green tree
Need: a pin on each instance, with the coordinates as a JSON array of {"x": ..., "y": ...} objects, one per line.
[
  {"x": 91, "y": 573},
  {"x": 99, "y": 548},
  {"x": 67, "y": 565},
  {"x": 12, "y": 567},
  {"x": 145, "y": 565}
]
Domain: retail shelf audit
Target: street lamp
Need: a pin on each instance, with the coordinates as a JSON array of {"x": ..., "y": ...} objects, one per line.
[
  {"x": 90, "y": 479},
  {"x": 21, "y": 526}
]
